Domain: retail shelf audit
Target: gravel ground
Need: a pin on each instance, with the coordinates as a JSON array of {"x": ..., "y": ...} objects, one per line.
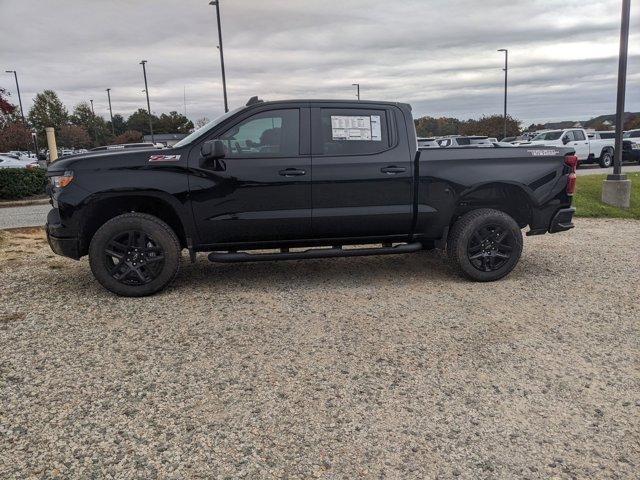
[{"x": 379, "y": 367}]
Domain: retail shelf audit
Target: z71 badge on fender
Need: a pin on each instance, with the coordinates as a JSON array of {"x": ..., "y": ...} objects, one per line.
[{"x": 164, "y": 158}]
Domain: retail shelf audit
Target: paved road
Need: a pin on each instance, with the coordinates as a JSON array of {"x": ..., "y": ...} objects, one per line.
[
  {"x": 595, "y": 170},
  {"x": 30, "y": 216}
]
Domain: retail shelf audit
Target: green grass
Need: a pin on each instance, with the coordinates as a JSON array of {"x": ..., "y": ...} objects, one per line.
[{"x": 589, "y": 192}]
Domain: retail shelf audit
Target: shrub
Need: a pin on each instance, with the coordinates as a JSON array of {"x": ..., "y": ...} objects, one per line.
[{"x": 20, "y": 182}]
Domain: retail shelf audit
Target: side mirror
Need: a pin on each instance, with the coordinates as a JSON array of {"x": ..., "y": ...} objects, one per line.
[
  {"x": 213, "y": 149},
  {"x": 565, "y": 140}
]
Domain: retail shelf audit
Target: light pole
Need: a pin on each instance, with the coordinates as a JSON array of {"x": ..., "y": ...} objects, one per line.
[
  {"x": 113, "y": 130},
  {"x": 15, "y": 74},
  {"x": 506, "y": 69},
  {"x": 224, "y": 79},
  {"x": 146, "y": 90},
  {"x": 92, "y": 112},
  {"x": 357, "y": 85},
  {"x": 616, "y": 189}
]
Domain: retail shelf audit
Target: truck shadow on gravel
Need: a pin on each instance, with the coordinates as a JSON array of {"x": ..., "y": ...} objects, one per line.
[{"x": 429, "y": 266}]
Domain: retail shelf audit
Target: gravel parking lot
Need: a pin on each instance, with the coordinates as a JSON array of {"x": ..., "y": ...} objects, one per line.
[{"x": 379, "y": 367}]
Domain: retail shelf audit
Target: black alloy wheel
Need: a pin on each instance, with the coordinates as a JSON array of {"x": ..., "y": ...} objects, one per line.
[
  {"x": 135, "y": 254},
  {"x": 133, "y": 258},
  {"x": 485, "y": 244},
  {"x": 490, "y": 247}
]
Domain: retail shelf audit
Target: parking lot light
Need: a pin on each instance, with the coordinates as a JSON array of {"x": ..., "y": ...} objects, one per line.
[
  {"x": 146, "y": 90},
  {"x": 216, "y": 3},
  {"x": 15, "y": 74},
  {"x": 506, "y": 68}
]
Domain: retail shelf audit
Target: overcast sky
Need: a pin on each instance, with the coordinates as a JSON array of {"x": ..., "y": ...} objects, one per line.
[{"x": 438, "y": 55}]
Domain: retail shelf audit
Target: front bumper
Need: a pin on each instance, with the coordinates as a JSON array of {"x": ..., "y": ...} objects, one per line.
[
  {"x": 562, "y": 220},
  {"x": 67, "y": 246}
]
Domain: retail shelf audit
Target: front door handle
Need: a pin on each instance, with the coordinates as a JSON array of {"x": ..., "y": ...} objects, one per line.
[
  {"x": 292, "y": 172},
  {"x": 392, "y": 169}
]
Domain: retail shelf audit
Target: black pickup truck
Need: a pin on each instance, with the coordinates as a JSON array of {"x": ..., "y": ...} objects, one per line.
[{"x": 304, "y": 179}]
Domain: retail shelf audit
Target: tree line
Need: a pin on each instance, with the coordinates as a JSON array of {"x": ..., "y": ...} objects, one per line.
[{"x": 80, "y": 128}]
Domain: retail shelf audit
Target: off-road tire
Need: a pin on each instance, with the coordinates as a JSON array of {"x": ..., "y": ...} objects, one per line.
[
  {"x": 462, "y": 234},
  {"x": 606, "y": 159},
  {"x": 163, "y": 237}
]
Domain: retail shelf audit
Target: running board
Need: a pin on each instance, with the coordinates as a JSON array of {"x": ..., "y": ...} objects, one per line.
[{"x": 233, "y": 257}]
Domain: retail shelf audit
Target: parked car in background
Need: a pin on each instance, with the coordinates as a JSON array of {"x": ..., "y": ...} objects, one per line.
[
  {"x": 13, "y": 161},
  {"x": 427, "y": 142},
  {"x": 631, "y": 146},
  {"x": 464, "y": 141},
  {"x": 587, "y": 150}
]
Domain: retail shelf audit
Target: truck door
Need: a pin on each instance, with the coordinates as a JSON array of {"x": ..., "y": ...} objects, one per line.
[
  {"x": 362, "y": 172},
  {"x": 261, "y": 189},
  {"x": 579, "y": 142}
]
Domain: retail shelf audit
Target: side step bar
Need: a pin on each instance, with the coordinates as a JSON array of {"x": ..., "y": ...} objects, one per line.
[{"x": 233, "y": 257}]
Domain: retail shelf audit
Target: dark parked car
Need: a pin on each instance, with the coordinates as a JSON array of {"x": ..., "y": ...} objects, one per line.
[
  {"x": 631, "y": 146},
  {"x": 311, "y": 174}
]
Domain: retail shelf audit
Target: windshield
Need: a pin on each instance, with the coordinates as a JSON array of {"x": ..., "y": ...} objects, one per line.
[
  {"x": 205, "y": 128},
  {"x": 549, "y": 135}
]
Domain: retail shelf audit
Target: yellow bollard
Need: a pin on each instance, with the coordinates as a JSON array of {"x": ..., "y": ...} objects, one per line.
[{"x": 51, "y": 142}]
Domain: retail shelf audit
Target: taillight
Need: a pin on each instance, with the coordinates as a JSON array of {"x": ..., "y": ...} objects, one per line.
[{"x": 571, "y": 161}]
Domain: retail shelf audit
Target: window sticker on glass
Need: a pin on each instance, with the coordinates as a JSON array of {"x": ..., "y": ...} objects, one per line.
[{"x": 365, "y": 128}]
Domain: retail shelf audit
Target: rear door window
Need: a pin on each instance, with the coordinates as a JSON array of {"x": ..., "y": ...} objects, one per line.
[
  {"x": 578, "y": 135},
  {"x": 353, "y": 131},
  {"x": 569, "y": 136}
]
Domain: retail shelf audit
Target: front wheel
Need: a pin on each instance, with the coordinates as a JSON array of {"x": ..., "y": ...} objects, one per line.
[
  {"x": 606, "y": 159},
  {"x": 134, "y": 255},
  {"x": 485, "y": 244}
]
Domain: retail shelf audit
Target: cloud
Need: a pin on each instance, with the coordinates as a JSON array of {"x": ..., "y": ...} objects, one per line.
[{"x": 438, "y": 55}]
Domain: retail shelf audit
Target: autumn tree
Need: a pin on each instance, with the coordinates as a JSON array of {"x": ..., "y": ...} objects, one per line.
[
  {"x": 73, "y": 136},
  {"x": 632, "y": 123},
  {"x": 491, "y": 126},
  {"x": 15, "y": 136},
  {"x": 130, "y": 136},
  {"x": 436, "y": 127}
]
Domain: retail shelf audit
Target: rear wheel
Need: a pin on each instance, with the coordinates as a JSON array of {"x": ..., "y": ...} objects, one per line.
[
  {"x": 485, "y": 244},
  {"x": 134, "y": 255},
  {"x": 606, "y": 159}
]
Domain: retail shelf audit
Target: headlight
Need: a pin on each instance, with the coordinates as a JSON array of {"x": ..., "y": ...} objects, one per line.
[{"x": 61, "y": 181}]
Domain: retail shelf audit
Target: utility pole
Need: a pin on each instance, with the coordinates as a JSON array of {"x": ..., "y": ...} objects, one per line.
[
  {"x": 15, "y": 74},
  {"x": 113, "y": 129},
  {"x": 616, "y": 189},
  {"x": 146, "y": 90},
  {"x": 357, "y": 85},
  {"x": 506, "y": 69},
  {"x": 224, "y": 79}
]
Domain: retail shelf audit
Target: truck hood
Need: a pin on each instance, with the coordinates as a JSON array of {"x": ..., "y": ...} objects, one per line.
[{"x": 107, "y": 159}]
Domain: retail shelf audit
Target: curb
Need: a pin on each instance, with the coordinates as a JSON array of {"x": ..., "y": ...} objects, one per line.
[{"x": 24, "y": 203}]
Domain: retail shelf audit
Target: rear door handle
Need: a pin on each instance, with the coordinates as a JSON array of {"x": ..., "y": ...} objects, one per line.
[
  {"x": 392, "y": 169},
  {"x": 292, "y": 172}
]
